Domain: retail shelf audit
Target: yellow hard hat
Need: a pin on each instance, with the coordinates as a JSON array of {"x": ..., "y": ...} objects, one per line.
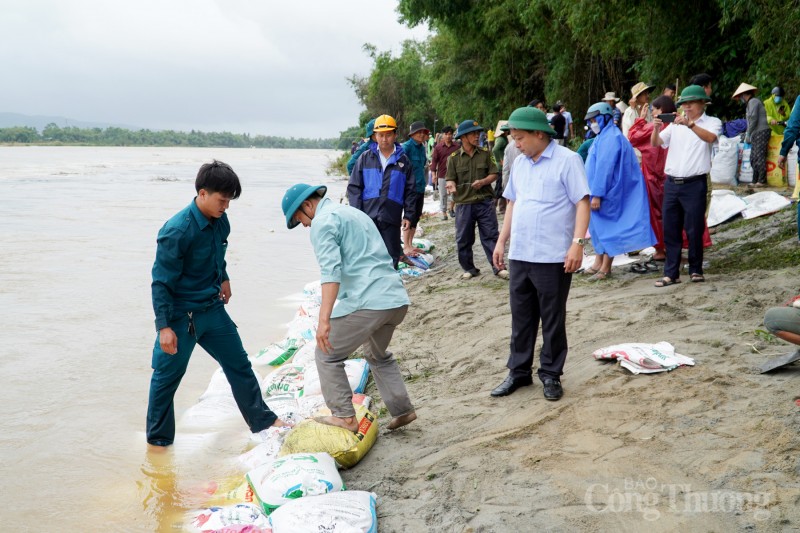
[{"x": 385, "y": 123}]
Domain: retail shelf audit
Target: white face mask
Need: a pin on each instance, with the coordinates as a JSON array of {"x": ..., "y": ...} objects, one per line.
[{"x": 595, "y": 128}]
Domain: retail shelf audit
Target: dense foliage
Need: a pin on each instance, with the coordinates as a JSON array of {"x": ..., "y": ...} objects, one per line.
[
  {"x": 484, "y": 59},
  {"x": 53, "y": 134}
]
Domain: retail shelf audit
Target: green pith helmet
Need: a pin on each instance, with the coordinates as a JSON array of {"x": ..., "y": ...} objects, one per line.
[
  {"x": 296, "y": 195},
  {"x": 370, "y": 127},
  {"x": 693, "y": 93},
  {"x": 529, "y": 119},
  {"x": 468, "y": 126},
  {"x": 600, "y": 108}
]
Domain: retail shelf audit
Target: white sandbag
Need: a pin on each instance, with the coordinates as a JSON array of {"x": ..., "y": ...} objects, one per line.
[
  {"x": 285, "y": 380},
  {"x": 303, "y": 327},
  {"x": 311, "y": 405},
  {"x": 285, "y": 407},
  {"x": 211, "y": 413},
  {"x": 745, "y": 169},
  {"x": 218, "y": 518},
  {"x": 725, "y": 162},
  {"x": 420, "y": 231},
  {"x": 351, "y": 511},
  {"x": 724, "y": 206},
  {"x": 269, "y": 441},
  {"x": 428, "y": 258},
  {"x": 423, "y": 244},
  {"x": 791, "y": 166},
  {"x": 313, "y": 292},
  {"x": 305, "y": 356},
  {"x": 294, "y": 476},
  {"x": 357, "y": 371},
  {"x": 764, "y": 203},
  {"x": 278, "y": 353},
  {"x": 410, "y": 272}
]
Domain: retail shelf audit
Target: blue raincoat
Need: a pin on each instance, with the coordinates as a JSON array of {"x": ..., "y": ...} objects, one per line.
[{"x": 622, "y": 224}]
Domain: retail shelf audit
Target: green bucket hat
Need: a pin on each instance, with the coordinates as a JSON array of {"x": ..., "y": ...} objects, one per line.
[
  {"x": 296, "y": 195},
  {"x": 529, "y": 119},
  {"x": 693, "y": 93}
]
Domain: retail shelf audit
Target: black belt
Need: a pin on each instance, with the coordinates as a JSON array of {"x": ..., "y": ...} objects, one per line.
[{"x": 689, "y": 179}]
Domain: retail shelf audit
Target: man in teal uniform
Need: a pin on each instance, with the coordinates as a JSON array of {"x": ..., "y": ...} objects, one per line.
[
  {"x": 356, "y": 270},
  {"x": 415, "y": 149},
  {"x": 190, "y": 289}
]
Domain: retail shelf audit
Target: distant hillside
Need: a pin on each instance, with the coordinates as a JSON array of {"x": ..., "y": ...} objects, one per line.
[{"x": 9, "y": 120}]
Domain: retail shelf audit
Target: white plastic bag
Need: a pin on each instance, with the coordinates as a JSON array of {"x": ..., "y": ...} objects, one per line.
[
  {"x": 764, "y": 203},
  {"x": 305, "y": 356},
  {"x": 285, "y": 407},
  {"x": 746, "y": 169},
  {"x": 279, "y": 352},
  {"x": 351, "y": 511},
  {"x": 285, "y": 380},
  {"x": 724, "y": 206},
  {"x": 423, "y": 244},
  {"x": 294, "y": 476},
  {"x": 211, "y": 413},
  {"x": 725, "y": 162},
  {"x": 644, "y": 358}
]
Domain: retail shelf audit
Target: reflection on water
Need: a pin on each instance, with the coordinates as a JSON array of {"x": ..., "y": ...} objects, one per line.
[{"x": 78, "y": 245}]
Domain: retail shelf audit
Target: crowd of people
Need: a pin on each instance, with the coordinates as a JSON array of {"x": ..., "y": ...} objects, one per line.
[{"x": 639, "y": 179}]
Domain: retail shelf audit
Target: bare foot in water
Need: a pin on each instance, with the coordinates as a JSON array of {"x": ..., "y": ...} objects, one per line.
[
  {"x": 349, "y": 423},
  {"x": 402, "y": 420}
]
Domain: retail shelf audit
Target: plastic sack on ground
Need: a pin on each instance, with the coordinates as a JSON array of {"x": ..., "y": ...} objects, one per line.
[
  {"x": 285, "y": 406},
  {"x": 724, "y": 206},
  {"x": 313, "y": 292},
  {"x": 219, "y": 386},
  {"x": 725, "y": 162},
  {"x": 278, "y": 353},
  {"x": 357, "y": 371},
  {"x": 419, "y": 262},
  {"x": 294, "y": 476},
  {"x": 791, "y": 166},
  {"x": 303, "y": 327},
  {"x": 643, "y": 358},
  {"x": 220, "y": 518},
  {"x": 346, "y": 447},
  {"x": 351, "y": 511},
  {"x": 423, "y": 244},
  {"x": 314, "y": 404},
  {"x": 270, "y": 441},
  {"x": 409, "y": 271},
  {"x": 764, "y": 203},
  {"x": 285, "y": 380}
]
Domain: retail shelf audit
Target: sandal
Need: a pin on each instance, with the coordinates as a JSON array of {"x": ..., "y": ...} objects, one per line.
[
  {"x": 652, "y": 266},
  {"x": 666, "y": 282},
  {"x": 600, "y": 276},
  {"x": 697, "y": 278},
  {"x": 589, "y": 271},
  {"x": 638, "y": 268}
]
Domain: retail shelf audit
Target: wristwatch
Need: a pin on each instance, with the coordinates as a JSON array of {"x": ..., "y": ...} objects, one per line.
[{"x": 579, "y": 241}]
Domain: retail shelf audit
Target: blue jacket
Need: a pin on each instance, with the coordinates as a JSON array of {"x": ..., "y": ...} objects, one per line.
[
  {"x": 417, "y": 154},
  {"x": 385, "y": 195},
  {"x": 791, "y": 134}
]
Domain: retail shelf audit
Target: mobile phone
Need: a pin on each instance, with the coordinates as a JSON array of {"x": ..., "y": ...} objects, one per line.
[{"x": 667, "y": 117}]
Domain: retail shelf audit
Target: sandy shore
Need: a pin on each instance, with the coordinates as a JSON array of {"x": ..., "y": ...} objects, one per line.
[{"x": 708, "y": 448}]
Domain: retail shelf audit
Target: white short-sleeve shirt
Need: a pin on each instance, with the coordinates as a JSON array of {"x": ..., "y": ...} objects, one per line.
[{"x": 689, "y": 155}]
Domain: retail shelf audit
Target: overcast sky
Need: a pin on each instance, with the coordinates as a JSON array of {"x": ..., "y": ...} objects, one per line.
[{"x": 256, "y": 66}]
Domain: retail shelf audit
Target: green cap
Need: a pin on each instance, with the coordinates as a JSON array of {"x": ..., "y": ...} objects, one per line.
[
  {"x": 529, "y": 119},
  {"x": 693, "y": 93}
]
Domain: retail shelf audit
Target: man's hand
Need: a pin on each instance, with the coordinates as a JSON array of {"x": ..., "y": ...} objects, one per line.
[
  {"x": 782, "y": 161},
  {"x": 497, "y": 256},
  {"x": 477, "y": 184},
  {"x": 405, "y": 225},
  {"x": 323, "y": 333},
  {"x": 596, "y": 201},
  {"x": 168, "y": 341},
  {"x": 574, "y": 258},
  {"x": 225, "y": 291},
  {"x": 451, "y": 187}
]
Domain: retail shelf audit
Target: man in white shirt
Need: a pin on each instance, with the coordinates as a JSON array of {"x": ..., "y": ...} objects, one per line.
[{"x": 690, "y": 140}]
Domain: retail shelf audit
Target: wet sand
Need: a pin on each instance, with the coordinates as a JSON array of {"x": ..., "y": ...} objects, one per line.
[{"x": 705, "y": 448}]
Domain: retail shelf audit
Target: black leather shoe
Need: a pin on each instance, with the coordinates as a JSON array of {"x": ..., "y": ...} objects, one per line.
[
  {"x": 510, "y": 384},
  {"x": 552, "y": 389}
]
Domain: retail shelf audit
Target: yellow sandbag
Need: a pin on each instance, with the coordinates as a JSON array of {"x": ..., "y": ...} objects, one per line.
[
  {"x": 774, "y": 172},
  {"x": 346, "y": 447}
]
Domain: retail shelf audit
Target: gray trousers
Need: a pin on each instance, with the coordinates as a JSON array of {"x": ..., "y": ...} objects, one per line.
[
  {"x": 443, "y": 195},
  {"x": 374, "y": 330}
]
